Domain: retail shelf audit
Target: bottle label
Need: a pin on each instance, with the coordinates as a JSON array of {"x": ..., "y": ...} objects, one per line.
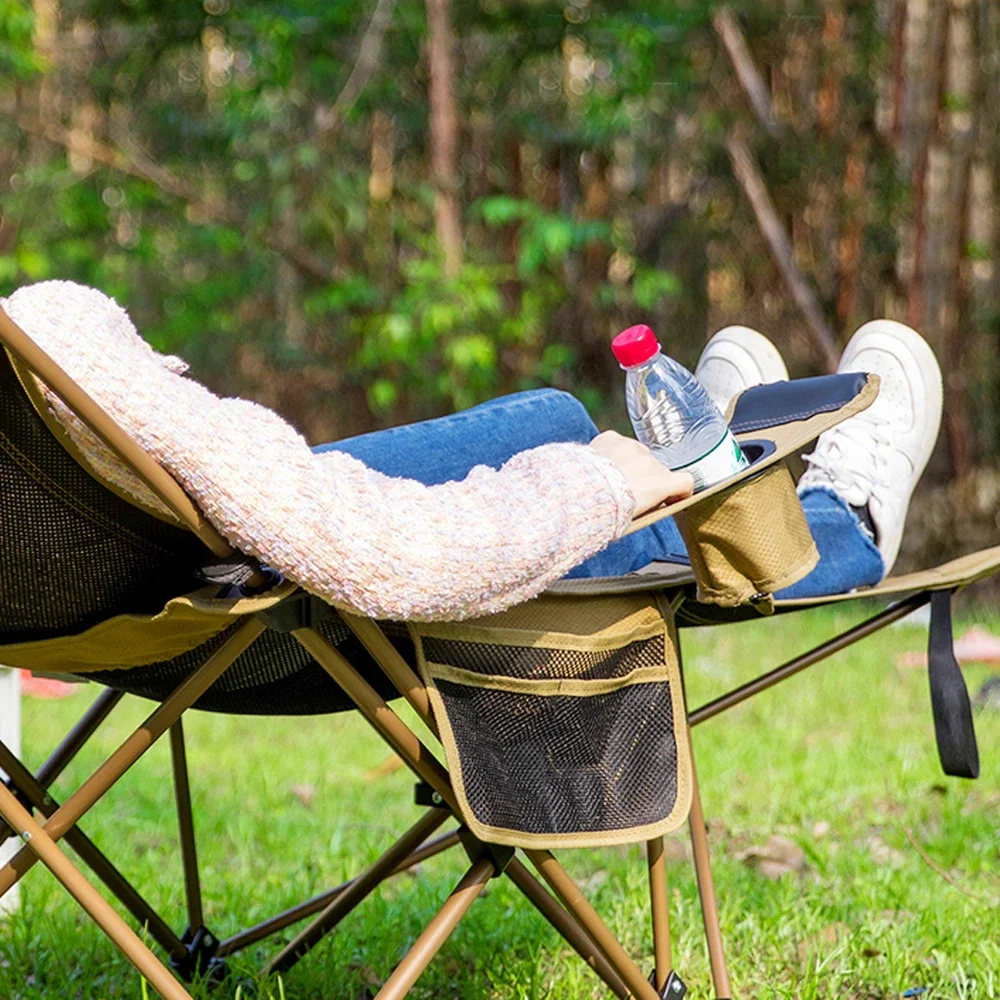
[{"x": 723, "y": 461}]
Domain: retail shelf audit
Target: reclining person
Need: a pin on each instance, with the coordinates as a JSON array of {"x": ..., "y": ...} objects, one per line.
[
  {"x": 855, "y": 491},
  {"x": 478, "y": 511}
]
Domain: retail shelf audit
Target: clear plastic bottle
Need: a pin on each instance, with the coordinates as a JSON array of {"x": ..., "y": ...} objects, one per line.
[{"x": 672, "y": 414}]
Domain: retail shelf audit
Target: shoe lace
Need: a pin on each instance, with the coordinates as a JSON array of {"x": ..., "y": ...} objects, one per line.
[{"x": 852, "y": 457}]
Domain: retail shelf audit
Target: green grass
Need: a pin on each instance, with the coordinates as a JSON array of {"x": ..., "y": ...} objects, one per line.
[{"x": 841, "y": 760}]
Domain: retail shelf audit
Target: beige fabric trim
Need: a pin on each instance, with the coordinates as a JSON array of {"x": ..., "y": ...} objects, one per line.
[
  {"x": 185, "y": 623},
  {"x": 748, "y": 541},
  {"x": 787, "y": 439},
  {"x": 960, "y": 572},
  {"x": 586, "y": 838},
  {"x": 571, "y": 687},
  {"x": 547, "y": 640}
]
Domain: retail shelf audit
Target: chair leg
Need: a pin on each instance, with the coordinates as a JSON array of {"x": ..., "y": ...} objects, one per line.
[
  {"x": 100, "y": 911},
  {"x": 660, "y": 911},
  {"x": 98, "y": 711},
  {"x": 356, "y": 892},
  {"x": 185, "y": 822},
  {"x": 251, "y": 935},
  {"x": 24, "y": 783},
  {"x": 437, "y": 931},
  {"x": 573, "y": 899},
  {"x": 67, "y": 815},
  {"x": 706, "y": 890}
]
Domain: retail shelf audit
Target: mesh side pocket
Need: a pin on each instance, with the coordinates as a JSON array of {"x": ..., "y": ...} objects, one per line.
[
  {"x": 748, "y": 542},
  {"x": 561, "y": 739}
]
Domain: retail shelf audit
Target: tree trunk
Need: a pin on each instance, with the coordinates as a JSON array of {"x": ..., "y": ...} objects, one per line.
[
  {"x": 933, "y": 100},
  {"x": 444, "y": 133},
  {"x": 45, "y": 41}
]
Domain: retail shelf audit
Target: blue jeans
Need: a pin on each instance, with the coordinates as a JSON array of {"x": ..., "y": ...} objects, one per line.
[{"x": 445, "y": 449}]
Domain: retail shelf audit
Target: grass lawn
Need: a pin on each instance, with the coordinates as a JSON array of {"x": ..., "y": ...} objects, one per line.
[{"x": 900, "y": 887}]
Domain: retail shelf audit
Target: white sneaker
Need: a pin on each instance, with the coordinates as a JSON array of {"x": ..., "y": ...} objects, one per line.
[
  {"x": 875, "y": 458},
  {"x": 735, "y": 359}
]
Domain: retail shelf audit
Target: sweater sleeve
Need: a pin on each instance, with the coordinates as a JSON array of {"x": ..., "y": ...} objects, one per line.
[{"x": 468, "y": 548}]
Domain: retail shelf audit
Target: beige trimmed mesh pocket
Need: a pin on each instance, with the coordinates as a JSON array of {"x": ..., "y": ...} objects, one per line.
[
  {"x": 750, "y": 541},
  {"x": 562, "y": 720}
]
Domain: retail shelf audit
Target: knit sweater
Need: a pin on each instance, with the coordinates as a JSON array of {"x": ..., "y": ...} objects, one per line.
[{"x": 361, "y": 540}]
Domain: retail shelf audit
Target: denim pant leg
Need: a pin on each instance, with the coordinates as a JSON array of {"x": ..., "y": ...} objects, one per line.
[
  {"x": 447, "y": 449},
  {"x": 848, "y": 558}
]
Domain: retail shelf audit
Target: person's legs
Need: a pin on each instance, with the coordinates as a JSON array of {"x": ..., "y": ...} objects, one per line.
[
  {"x": 848, "y": 557},
  {"x": 448, "y": 448}
]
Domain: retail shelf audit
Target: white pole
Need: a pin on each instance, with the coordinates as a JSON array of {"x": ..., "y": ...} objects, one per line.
[{"x": 10, "y": 733}]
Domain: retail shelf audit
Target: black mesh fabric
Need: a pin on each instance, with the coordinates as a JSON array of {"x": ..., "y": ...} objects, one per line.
[
  {"x": 547, "y": 762},
  {"x": 275, "y": 676},
  {"x": 72, "y": 553},
  {"x": 538, "y": 663},
  {"x": 563, "y": 765}
]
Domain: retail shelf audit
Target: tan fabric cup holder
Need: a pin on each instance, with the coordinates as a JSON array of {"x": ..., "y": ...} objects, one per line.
[
  {"x": 747, "y": 542},
  {"x": 562, "y": 721}
]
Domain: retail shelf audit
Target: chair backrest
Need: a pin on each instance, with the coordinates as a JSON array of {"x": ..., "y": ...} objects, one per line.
[{"x": 73, "y": 552}]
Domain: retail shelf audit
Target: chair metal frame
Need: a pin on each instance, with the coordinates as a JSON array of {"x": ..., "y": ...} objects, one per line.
[{"x": 562, "y": 904}]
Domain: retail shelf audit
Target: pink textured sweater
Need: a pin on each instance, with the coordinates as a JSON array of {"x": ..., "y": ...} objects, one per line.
[{"x": 386, "y": 547}]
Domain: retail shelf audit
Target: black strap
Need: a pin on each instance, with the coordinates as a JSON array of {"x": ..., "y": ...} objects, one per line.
[{"x": 956, "y": 735}]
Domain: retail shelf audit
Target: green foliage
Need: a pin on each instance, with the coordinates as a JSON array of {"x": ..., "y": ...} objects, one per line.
[
  {"x": 16, "y": 55},
  {"x": 594, "y": 189}
]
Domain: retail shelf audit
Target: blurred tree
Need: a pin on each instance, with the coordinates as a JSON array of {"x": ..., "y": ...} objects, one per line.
[{"x": 379, "y": 210}]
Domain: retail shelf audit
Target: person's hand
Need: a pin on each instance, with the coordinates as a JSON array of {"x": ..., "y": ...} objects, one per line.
[{"x": 651, "y": 482}]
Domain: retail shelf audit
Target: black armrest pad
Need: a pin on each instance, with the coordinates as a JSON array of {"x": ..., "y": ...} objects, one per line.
[{"x": 784, "y": 402}]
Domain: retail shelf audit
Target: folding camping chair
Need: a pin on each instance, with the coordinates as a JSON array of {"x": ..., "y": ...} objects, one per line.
[{"x": 506, "y": 695}]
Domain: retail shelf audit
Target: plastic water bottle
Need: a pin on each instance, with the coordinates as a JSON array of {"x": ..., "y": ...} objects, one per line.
[{"x": 672, "y": 414}]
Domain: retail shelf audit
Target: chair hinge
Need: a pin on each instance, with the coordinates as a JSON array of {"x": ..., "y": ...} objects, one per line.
[
  {"x": 299, "y": 610},
  {"x": 673, "y": 989},
  {"x": 498, "y": 855},
  {"x": 199, "y": 958},
  {"x": 424, "y": 795}
]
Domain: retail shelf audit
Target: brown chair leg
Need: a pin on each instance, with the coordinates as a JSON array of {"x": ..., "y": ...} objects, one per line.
[
  {"x": 570, "y": 930},
  {"x": 437, "y": 931},
  {"x": 706, "y": 890},
  {"x": 660, "y": 911},
  {"x": 185, "y": 823},
  {"x": 356, "y": 892},
  {"x": 573, "y": 899},
  {"x": 427, "y": 767},
  {"x": 67, "y": 815},
  {"x": 24, "y": 783},
  {"x": 100, "y": 911}
]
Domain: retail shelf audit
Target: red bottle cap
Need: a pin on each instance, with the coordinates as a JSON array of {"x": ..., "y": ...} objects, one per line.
[{"x": 634, "y": 345}]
